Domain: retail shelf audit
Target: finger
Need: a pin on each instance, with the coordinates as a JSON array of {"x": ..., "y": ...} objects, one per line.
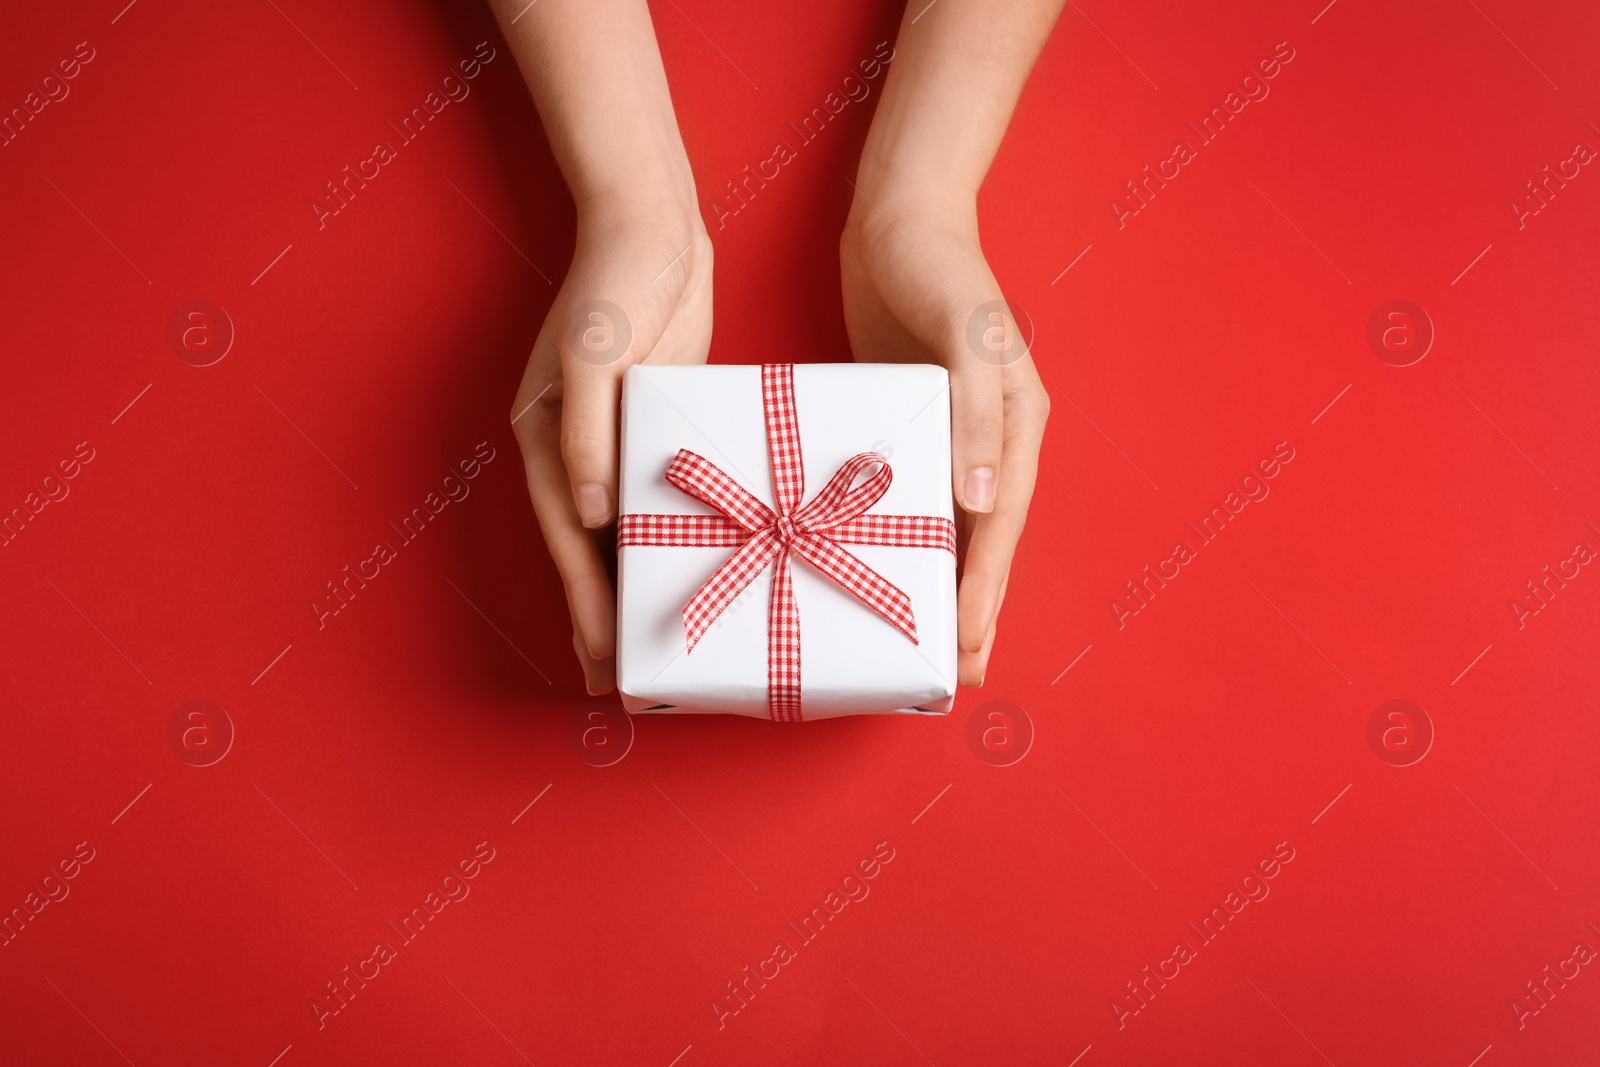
[
  {"x": 599, "y": 675},
  {"x": 589, "y": 440},
  {"x": 591, "y": 599},
  {"x": 977, "y": 422},
  {"x": 995, "y": 535},
  {"x": 972, "y": 667},
  {"x": 624, "y": 320}
]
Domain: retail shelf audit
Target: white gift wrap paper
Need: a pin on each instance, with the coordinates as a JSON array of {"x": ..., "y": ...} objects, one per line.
[{"x": 852, "y": 660}]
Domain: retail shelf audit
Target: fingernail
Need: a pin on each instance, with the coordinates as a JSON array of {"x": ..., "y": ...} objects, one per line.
[
  {"x": 594, "y": 504},
  {"x": 977, "y": 492}
]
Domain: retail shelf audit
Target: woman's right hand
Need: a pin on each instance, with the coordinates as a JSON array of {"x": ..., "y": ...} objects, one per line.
[{"x": 638, "y": 291}]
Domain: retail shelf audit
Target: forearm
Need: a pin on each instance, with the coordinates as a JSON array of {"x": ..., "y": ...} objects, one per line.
[
  {"x": 595, "y": 73},
  {"x": 959, "y": 67}
]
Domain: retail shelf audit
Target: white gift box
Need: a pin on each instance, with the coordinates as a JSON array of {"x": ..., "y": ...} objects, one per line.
[{"x": 852, "y": 660}]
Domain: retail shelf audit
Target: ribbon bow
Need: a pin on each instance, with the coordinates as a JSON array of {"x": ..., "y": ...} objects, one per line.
[{"x": 836, "y": 516}]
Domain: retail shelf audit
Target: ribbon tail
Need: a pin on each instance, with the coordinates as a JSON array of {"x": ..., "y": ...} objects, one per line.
[
  {"x": 860, "y": 581},
  {"x": 783, "y": 644},
  {"x": 725, "y": 585}
]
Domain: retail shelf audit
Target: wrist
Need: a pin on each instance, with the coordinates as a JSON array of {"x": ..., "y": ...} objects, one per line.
[
  {"x": 902, "y": 174},
  {"x": 654, "y": 186},
  {"x": 650, "y": 211},
  {"x": 914, "y": 177},
  {"x": 889, "y": 198}
]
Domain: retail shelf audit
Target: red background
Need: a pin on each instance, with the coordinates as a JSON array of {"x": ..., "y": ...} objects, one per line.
[{"x": 371, "y": 755}]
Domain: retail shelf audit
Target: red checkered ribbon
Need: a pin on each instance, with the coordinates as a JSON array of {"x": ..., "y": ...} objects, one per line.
[{"x": 835, "y": 516}]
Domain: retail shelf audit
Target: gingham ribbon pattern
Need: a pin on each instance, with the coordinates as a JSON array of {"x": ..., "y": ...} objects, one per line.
[{"x": 763, "y": 537}]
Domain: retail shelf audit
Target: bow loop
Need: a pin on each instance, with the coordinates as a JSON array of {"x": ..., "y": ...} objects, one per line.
[
  {"x": 841, "y": 499},
  {"x": 709, "y": 484}
]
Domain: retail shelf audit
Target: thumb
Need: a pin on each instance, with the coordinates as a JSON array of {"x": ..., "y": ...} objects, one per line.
[
  {"x": 977, "y": 403},
  {"x": 589, "y": 441},
  {"x": 626, "y": 284},
  {"x": 600, "y": 340}
]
